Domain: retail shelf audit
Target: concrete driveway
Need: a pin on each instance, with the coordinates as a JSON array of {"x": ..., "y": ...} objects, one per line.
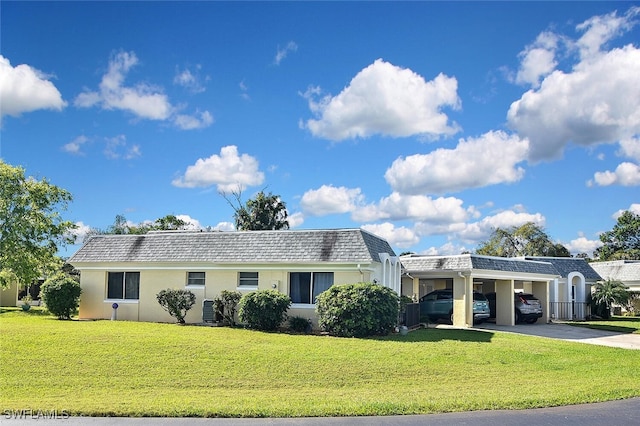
[{"x": 570, "y": 333}]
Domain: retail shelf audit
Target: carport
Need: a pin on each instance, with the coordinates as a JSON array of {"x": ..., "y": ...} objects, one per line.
[{"x": 468, "y": 272}]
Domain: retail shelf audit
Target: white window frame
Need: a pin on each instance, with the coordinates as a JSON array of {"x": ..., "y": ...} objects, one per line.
[
  {"x": 204, "y": 279},
  {"x": 312, "y": 284},
  {"x": 124, "y": 280},
  {"x": 250, "y": 283}
]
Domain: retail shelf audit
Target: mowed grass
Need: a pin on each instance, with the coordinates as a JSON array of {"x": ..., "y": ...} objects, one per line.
[
  {"x": 618, "y": 324},
  {"x": 119, "y": 368}
]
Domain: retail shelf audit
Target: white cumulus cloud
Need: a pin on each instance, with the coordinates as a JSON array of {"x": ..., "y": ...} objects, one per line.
[
  {"x": 229, "y": 171},
  {"x": 633, "y": 208},
  {"x": 142, "y": 99},
  {"x": 597, "y": 101},
  {"x": 538, "y": 59},
  {"x": 476, "y": 232},
  {"x": 75, "y": 146},
  {"x": 388, "y": 100},
  {"x": 475, "y": 162},
  {"x": 413, "y": 207},
  {"x": 296, "y": 219},
  {"x": 329, "y": 199},
  {"x": 396, "y": 236},
  {"x": 199, "y": 120},
  {"x": 583, "y": 245},
  {"x": 626, "y": 174},
  {"x": 25, "y": 89}
]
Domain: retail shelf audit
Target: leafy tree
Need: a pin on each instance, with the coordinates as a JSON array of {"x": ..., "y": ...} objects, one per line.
[
  {"x": 264, "y": 212},
  {"x": 122, "y": 226},
  {"x": 623, "y": 241},
  {"x": 169, "y": 223},
  {"x": 61, "y": 295},
  {"x": 526, "y": 240},
  {"x": 609, "y": 292},
  {"x": 31, "y": 227},
  {"x": 176, "y": 302}
]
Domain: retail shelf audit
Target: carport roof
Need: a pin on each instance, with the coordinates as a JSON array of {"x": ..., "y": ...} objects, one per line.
[{"x": 469, "y": 262}]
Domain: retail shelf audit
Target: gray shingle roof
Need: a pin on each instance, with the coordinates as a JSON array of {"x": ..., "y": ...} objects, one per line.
[
  {"x": 467, "y": 262},
  {"x": 297, "y": 246},
  {"x": 566, "y": 265},
  {"x": 621, "y": 270}
]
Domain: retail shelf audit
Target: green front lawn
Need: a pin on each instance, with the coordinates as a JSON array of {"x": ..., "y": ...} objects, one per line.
[
  {"x": 143, "y": 369},
  {"x": 617, "y": 324}
]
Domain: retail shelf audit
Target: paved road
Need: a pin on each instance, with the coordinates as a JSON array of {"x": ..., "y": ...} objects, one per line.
[
  {"x": 570, "y": 333},
  {"x": 614, "y": 413}
]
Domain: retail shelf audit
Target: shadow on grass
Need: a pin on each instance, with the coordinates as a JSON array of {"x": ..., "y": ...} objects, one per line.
[
  {"x": 440, "y": 335},
  {"x": 34, "y": 311},
  {"x": 607, "y": 327}
]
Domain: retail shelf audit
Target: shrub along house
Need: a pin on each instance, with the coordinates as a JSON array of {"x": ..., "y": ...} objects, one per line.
[{"x": 131, "y": 269}]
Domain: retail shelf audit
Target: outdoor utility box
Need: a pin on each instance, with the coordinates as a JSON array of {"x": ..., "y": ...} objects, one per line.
[
  {"x": 411, "y": 314},
  {"x": 207, "y": 311}
]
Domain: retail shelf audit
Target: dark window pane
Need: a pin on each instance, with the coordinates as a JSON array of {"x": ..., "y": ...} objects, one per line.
[
  {"x": 132, "y": 285},
  {"x": 114, "y": 285},
  {"x": 248, "y": 279},
  {"x": 196, "y": 278},
  {"x": 300, "y": 287}
]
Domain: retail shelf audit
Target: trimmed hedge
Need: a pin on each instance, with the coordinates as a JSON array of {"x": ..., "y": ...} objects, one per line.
[{"x": 357, "y": 310}]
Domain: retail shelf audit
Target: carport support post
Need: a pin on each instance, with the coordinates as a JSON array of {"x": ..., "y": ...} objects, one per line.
[
  {"x": 540, "y": 289},
  {"x": 463, "y": 300},
  {"x": 505, "y": 307}
]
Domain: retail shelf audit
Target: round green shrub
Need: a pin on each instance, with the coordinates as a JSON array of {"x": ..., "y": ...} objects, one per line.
[
  {"x": 357, "y": 310},
  {"x": 61, "y": 295},
  {"x": 264, "y": 309}
]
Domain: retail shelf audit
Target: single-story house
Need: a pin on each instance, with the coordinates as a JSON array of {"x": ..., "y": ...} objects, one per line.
[
  {"x": 625, "y": 271},
  {"x": 561, "y": 284},
  {"x": 131, "y": 269}
]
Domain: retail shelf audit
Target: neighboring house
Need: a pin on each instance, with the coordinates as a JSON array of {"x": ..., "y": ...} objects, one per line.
[
  {"x": 552, "y": 280},
  {"x": 569, "y": 294},
  {"x": 625, "y": 271},
  {"x": 12, "y": 295},
  {"x": 131, "y": 269}
]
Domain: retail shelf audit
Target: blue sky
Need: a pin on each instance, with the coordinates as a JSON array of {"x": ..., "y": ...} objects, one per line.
[{"x": 427, "y": 123}]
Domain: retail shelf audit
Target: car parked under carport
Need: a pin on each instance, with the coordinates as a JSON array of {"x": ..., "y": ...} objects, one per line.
[{"x": 527, "y": 307}]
